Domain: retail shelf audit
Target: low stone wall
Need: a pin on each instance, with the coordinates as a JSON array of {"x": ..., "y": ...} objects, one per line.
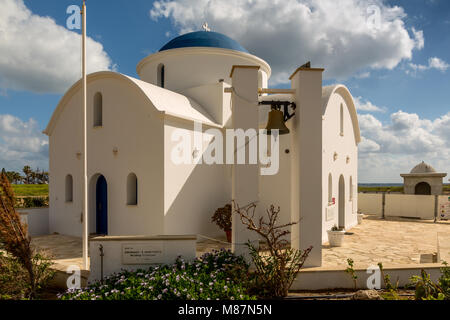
[
  {"x": 137, "y": 252},
  {"x": 333, "y": 278},
  {"x": 37, "y": 220}
]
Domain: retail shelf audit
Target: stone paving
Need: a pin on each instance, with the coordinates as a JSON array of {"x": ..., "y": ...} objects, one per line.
[
  {"x": 63, "y": 250},
  {"x": 391, "y": 241}
]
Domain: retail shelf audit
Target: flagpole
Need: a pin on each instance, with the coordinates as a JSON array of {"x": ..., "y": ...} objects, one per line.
[{"x": 85, "y": 184}]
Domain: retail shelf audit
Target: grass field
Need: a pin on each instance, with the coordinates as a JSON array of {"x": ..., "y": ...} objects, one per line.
[
  {"x": 30, "y": 190},
  {"x": 381, "y": 189},
  {"x": 446, "y": 189}
]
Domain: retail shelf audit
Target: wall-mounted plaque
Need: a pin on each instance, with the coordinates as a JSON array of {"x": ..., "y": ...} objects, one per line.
[{"x": 142, "y": 253}]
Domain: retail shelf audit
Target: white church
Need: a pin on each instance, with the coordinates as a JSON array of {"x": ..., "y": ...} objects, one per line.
[{"x": 134, "y": 188}]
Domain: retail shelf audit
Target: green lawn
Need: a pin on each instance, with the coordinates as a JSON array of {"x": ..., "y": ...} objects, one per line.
[
  {"x": 446, "y": 189},
  {"x": 30, "y": 190}
]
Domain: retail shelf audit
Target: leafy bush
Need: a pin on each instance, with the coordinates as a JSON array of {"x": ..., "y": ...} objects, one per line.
[
  {"x": 217, "y": 275},
  {"x": 276, "y": 271},
  {"x": 31, "y": 202},
  {"x": 391, "y": 290},
  {"x": 444, "y": 280},
  {"x": 14, "y": 280},
  {"x": 222, "y": 217},
  {"x": 351, "y": 271},
  {"x": 15, "y": 241},
  {"x": 426, "y": 289}
]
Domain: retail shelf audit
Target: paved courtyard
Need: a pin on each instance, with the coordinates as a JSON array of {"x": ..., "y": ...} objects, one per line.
[{"x": 391, "y": 241}]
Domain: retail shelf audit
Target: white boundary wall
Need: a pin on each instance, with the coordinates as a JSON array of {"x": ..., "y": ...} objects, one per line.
[
  {"x": 37, "y": 220},
  {"x": 398, "y": 205},
  {"x": 410, "y": 206},
  {"x": 370, "y": 203}
]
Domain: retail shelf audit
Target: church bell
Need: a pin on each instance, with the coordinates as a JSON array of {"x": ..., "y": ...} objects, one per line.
[{"x": 276, "y": 121}]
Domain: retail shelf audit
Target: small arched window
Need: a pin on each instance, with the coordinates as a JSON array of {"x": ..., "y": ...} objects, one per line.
[
  {"x": 132, "y": 190},
  {"x": 69, "y": 188},
  {"x": 330, "y": 188},
  {"x": 351, "y": 189},
  {"x": 342, "y": 120},
  {"x": 98, "y": 110},
  {"x": 161, "y": 75}
]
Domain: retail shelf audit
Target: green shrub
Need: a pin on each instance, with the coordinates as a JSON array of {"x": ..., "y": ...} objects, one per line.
[
  {"x": 31, "y": 202},
  {"x": 351, "y": 271},
  {"x": 426, "y": 289},
  {"x": 14, "y": 279},
  {"x": 217, "y": 275}
]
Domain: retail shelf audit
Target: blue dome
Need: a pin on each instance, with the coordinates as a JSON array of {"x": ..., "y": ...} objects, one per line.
[{"x": 204, "y": 39}]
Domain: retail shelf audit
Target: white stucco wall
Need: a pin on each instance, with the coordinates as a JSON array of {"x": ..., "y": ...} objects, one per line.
[
  {"x": 214, "y": 100},
  {"x": 343, "y": 146},
  {"x": 276, "y": 189},
  {"x": 192, "y": 193},
  {"x": 131, "y": 126}
]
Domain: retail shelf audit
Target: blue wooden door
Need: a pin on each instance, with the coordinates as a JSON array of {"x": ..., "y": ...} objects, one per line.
[{"x": 102, "y": 206}]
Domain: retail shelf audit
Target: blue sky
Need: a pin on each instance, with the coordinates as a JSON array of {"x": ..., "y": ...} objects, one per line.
[{"x": 399, "y": 75}]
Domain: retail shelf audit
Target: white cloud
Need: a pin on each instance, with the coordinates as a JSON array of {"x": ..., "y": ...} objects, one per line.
[
  {"x": 40, "y": 56},
  {"x": 367, "y": 106},
  {"x": 287, "y": 33},
  {"x": 21, "y": 143},
  {"x": 363, "y": 75},
  {"x": 388, "y": 149},
  {"x": 433, "y": 63},
  {"x": 368, "y": 145},
  {"x": 418, "y": 38}
]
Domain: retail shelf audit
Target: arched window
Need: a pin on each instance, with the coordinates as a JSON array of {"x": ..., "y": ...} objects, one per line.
[
  {"x": 161, "y": 75},
  {"x": 351, "y": 189},
  {"x": 330, "y": 188},
  {"x": 342, "y": 120},
  {"x": 132, "y": 190},
  {"x": 98, "y": 110},
  {"x": 69, "y": 188}
]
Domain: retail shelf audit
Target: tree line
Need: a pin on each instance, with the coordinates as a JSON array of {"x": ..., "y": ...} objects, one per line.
[{"x": 28, "y": 176}]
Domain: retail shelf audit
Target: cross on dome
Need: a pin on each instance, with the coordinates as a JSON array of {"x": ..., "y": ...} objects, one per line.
[{"x": 206, "y": 27}]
